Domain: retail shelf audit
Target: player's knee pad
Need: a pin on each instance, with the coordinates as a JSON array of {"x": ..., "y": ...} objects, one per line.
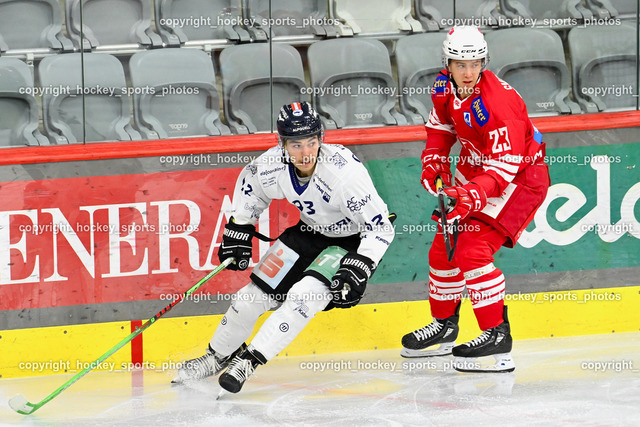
[
  {"x": 476, "y": 248},
  {"x": 250, "y": 302},
  {"x": 238, "y": 322},
  {"x": 309, "y": 295},
  {"x": 305, "y": 298}
]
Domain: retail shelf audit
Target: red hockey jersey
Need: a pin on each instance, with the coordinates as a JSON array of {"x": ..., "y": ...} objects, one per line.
[{"x": 499, "y": 144}]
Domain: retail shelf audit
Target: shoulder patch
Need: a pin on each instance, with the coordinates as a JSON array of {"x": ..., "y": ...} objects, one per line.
[
  {"x": 479, "y": 111},
  {"x": 440, "y": 85}
]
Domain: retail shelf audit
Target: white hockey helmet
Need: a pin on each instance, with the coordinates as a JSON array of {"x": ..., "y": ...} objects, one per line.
[{"x": 465, "y": 43}]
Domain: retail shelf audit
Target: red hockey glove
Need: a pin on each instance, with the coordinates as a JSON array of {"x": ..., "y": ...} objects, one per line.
[
  {"x": 467, "y": 199},
  {"x": 434, "y": 165}
]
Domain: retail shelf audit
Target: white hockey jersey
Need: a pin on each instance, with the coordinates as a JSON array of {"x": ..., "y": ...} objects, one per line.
[{"x": 339, "y": 199}]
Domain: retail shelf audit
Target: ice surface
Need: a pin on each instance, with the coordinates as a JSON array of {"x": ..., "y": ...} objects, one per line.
[{"x": 586, "y": 381}]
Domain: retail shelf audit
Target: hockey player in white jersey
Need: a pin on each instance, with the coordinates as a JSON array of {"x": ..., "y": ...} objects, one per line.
[{"x": 322, "y": 262}]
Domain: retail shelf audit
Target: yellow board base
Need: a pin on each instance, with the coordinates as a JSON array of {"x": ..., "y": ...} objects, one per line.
[{"x": 56, "y": 350}]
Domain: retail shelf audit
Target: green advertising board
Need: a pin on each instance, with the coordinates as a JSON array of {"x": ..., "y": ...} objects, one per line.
[{"x": 589, "y": 219}]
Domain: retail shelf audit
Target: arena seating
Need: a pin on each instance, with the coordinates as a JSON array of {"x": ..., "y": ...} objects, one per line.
[{"x": 245, "y": 61}]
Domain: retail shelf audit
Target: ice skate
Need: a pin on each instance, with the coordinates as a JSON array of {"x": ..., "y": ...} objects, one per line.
[
  {"x": 441, "y": 331},
  {"x": 496, "y": 342},
  {"x": 204, "y": 366},
  {"x": 240, "y": 369}
]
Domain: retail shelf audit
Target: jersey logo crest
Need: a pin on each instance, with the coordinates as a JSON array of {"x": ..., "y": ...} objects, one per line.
[
  {"x": 479, "y": 111},
  {"x": 467, "y": 118},
  {"x": 440, "y": 85}
]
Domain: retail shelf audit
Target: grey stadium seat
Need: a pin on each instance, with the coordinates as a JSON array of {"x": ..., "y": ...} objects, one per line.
[
  {"x": 442, "y": 14},
  {"x": 604, "y": 66},
  {"x": 606, "y": 9},
  {"x": 101, "y": 114},
  {"x": 176, "y": 94},
  {"x": 249, "y": 85},
  {"x": 18, "y": 107},
  {"x": 362, "y": 17},
  {"x": 353, "y": 81},
  {"x": 293, "y": 18},
  {"x": 180, "y": 21},
  {"x": 537, "y": 69},
  {"x": 32, "y": 24},
  {"x": 418, "y": 64},
  {"x": 111, "y": 22},
  {"x": 565, "y": 13}
]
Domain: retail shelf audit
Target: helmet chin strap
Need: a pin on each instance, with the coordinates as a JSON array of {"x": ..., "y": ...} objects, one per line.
[{"x": 286, "y": 159}]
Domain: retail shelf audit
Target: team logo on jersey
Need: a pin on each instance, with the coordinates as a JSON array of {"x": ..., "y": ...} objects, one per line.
[
  {"x": 467, "y": 118},
  {"x": 338, "y": 160},
  {"x": 296, "y": 109},
  {"x": 440, "y": 85},
  {"x": 479, "y": 111},
  {"x": 255, "y": 212}
]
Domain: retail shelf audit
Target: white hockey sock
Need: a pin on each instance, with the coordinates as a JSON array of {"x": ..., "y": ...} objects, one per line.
[
  {"x": 305, "y": 298},
  {"x": 237, "y": 324}
]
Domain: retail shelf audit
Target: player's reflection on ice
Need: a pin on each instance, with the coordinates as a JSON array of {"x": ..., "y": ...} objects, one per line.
[{"x": 440, "y": 373}]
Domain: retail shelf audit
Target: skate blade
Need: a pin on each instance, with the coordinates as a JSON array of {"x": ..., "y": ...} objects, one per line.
[
  {"x": 444, "y": 350},
  {"x": 179, "y": 379},
  {"x": 503, "y": 363}
]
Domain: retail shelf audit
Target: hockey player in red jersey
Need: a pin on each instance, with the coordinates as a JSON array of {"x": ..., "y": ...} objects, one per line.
[{"x": 500, "y": 181}]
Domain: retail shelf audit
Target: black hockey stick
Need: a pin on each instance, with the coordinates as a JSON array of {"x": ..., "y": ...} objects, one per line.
[
  {"x": 449, "y": 231},
  {"x": 22, "y": 406}
]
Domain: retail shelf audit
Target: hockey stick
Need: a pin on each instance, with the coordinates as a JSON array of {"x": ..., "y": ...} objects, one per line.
[
  {"x": 22, "y": 406},
  {"x": 448, "y": 231}
]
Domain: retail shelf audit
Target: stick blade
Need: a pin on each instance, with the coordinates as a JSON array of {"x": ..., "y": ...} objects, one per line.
[{"x": 21, "y": 405}]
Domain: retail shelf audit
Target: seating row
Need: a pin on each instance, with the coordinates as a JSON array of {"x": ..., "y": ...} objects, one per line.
[
  {"x": 184, "y": 92},
  {"x": 67, "y": 25}
]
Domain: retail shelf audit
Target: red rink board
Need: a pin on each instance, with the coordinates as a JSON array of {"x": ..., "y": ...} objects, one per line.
[{"x": 118, "y": 238}]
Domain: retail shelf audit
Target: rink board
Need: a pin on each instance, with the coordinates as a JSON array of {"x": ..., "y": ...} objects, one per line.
[
  {"x": 59, "y": 266},
  {"x": 56, "y": 350}
]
